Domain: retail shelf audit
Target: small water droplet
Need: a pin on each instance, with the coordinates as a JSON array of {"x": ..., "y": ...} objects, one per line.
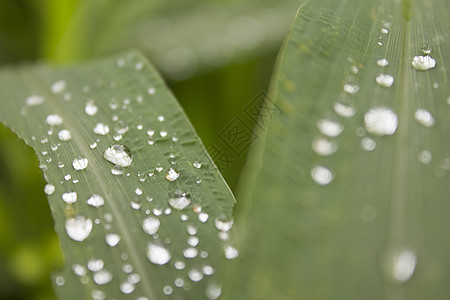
[
  {"x": 163, "y": 133},
  {"x": 344, "y": 110},
  {"x": 203, "y": 217},
  {"x": 90, "y": 108},
  {"x": 49, "y": 189},
  {"x": 324, "y": 147},
  {"x": 78, "y": 228},
  {"x": 384, "y": 31},
  {"x": 423, "y": 63},
  {"x": 60, "y": 281},
  {"x": 381, "y": 121},
  {"x": 95, "y": 200},
  {"x": 139, "y": 66},
  {"x": 158, "y": 254},
  {"x": 117, "y": 170},
  {"x": 322, "y": 175},
  {"x": 368, "y": 144},
  {"x": 151, "y": 225},
  {"x": 382, "y": 62},
  {"x": 112, "y": 239},
  {"x": 426, "y": 49},
  {"x": 119, "y": 155},
  {"x": 79, "y": 270},
  {"x": 120, "y": 62},
  {"x": 351, "y": 88},
  {"x": 69, "y": 197},
  {"x": 330, "y": 128},
  {"x": 424, "y": 117},
  {"x": 101, "y": 129},
  {"x": 223, "y": 225},
  {"x": 151, "y": 91},
  {"x": 67, "y": 177},
  {"x": 193, "y": 241},
  {"x": 190, "y": 252},
  {"x": 161, "y": 118},
  {"x": 385, "y": 80},
  {"x": 34, "y": 100},
  {"x": 54, "y": 120},
  {"x": 179, "y": 200},
  {"x": 172, "y": 175},
  {"x": 425, "y": 157},
  {"x": 231, "y": 252},
  {"x": 93, "y": 145},
  {"x": 80, "y": 163},
  {"x": 197, "y": 164},
  {"x": 64, "y": 135},
  {"x": 98, "y": 295},
  {"x": 402, "y": 265},
  {"x": 167, "y": 290},
  {"x": 179, "y": 265},
  {"x": 102, "y": 277},
  {"x": 191, "y": 229},
  {"x": 58, "y": 86}
]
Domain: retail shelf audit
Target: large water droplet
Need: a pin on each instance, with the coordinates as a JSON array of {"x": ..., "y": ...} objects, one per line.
[
  {"x": 126, "y": 287},
  {"x": 330, "y": 128},
  {"x": 119, "y": 155},
  {"x": 158, "y": 254},
  {"x": 423, "y": 63},
  {"x": 195, "y": 275},
  {"x": 172, "y": 174},
  {"x": 382, "y": 62},
  {"x": 95, "y": 265},
  {"x": 80, "y": 163},
  {"x": 424, "y": 117},
  {"x": 385, "y": 80},
  {"x": 213, "y": 291},
  {"x": 381, "y": 121},
  {"x": 425, "y": 157},
  {"x": 54, "y": 120},
  {"x": 64, "y": 135},
  {"x": 69, "y": 197},
  {"x": 322, "y": 175},
  {"x": 179, "y": 200},
  {"x": 403, "y": 266},
  {"x": 78, "y": 228},
  {"x": 151, "y": 225}
]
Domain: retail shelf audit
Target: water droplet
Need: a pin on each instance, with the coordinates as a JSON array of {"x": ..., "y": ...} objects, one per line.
[
  {"x": 191, "y": 229},
  {"x": 231, "y": 252},
  {"x": 179, "y": 200},
  {"x": 203, "y": 217},
  {"x": 381, "y": 121},
  {"x": 98, "y": 295},
  {"x": 223, "y": 225},
  {"x": 167, "y": 290},
  {"x": 79, "y": 270},
  {"x": 324, "y": 147},
  {"x": 93, "y": 145},
  {"x": 49, "y": 189},
  {"x": 78, "y": 228},
  {"x": 351, "y": 88},
  {"x": 179, "y": 265},
  {"x": 121, "y": 127},
  {"x": 151, "y": 225},
  {"x": 368, "y": 144},
  {"x": 127, "y": 268},
  {"x": 195, "y": 275},
  {"x": 190, "y": 252},
  {"x": 425, "y": 157},
  {"x": 172, "y": 175},
  {"x": 69, "y": 197},
  {"x": 423, "y": 63},
  {"x": 112, "y": 239},
  {"x": 60, "y": 281},
  {"x": 426, "y": 49},
  {"x": 139, "y": 66},
  {"x": 385, "y": 80},
  {"x": 355, "y": 69},
  {"x": 424, "y": 117},
  {"x": 403, "y": 266},
  {"x": 158, "y": 254},
  {"x": 101, "y": 129},
  {"x": 80, "y": 163},
  {"x": 197, "y": 164},
  {"x": 54, "y": 120},
  {"x": 382, "y": 62},
  {"x": 58, "y": 86},
  {"x": 117, "y": 170},
  {"x": 120, "y": 62},
  {"x": 330, "y": 128},
  {"x": 34, "y": 100},
  {"x": 213, "y": 291},
  {"x": 67, "y": 177},
  {"x": 151, "y": 91},
  {"x": 344, "y": 110},
  {"x": 119, "y": 155},
  {"x": 64, "y": 135},
  {"x": 384, "y": 31},
  {"x": 193, "y": 241},
  {"x": 322, "y": 175},
  {"x": 90, "y": 108},
  {"x": 95, "y": 200},
  {"x": 135, "y": 205},
  {"x": 95, "y": 265},
  {"x": 102, "y": 277},
  {"x": 161, "y": 118},
  {"x": 163, "y": 133}
]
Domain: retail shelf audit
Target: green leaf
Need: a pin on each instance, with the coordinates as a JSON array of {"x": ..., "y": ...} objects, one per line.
[
  {"x": 362, "y": 213},
  {"x": 169, "y": 169}
]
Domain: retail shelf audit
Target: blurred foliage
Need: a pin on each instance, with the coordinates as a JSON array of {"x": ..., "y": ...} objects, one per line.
[{"x": 216, "y": 56}]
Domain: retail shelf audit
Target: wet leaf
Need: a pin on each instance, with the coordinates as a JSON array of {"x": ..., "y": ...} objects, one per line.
[
  {"x": 120, "y": 157},
  {"x": 347, "y": 197}
]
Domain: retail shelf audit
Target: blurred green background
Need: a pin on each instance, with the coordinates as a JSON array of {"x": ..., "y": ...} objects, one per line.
[{"x": 216, "y": 56}]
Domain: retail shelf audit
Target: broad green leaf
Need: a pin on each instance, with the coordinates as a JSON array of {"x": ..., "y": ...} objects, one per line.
[
  {"x": 149, "y": 231},
  {"x": 351, "y": 199}
]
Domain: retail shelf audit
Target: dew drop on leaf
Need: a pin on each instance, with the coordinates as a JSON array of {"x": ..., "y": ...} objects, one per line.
[
  {"x": 80, "y": 163},
  {"x": 58, "y": 86},
  {"x": 158, "y": 254},
  {"x": 351, "y": 88},
  {"x": 213, "y": 291},
  {"x": 423, "y": 63},
  {"x": 119, "y": 155},
  {"x": 49, "y": 189},
  {"x": 90, "y": 108},
  {"x": 197, "y": 164},
  {"x": 102, "y": 277},
  {"x": 195, "y": 275},
  {"x": 78, "y": 228},
  {"x": 381, "y": 121},
  {"x": 64, "y": 135},
  {"x": 179, "y": 200},
  {"x": 34, "y": 100},
  {"x": 151, "y": 225},
  {"x": 382, "y": 62},
  {"x": 172, "y": 174},
  {"x": 101, "y": 129},
  {"x": 95, "y": 200},
  {"x": 424, "y": 117},
  {"x": 324, "y": 147},
  {"x": 190, "y": 252},
  {"x": 112, "y": 239},
  {"x": 126, "y": 287},
  {"x": 69, "y": 197},
  {"x": 322, "y": 175},
  {"x": 344, "y": 110},
  {"x": 54, "y": 120},
  {"x": 330, "y": 128},
  {"x": 385, "y": 80},
  {"x": 79, "y": 270}
]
